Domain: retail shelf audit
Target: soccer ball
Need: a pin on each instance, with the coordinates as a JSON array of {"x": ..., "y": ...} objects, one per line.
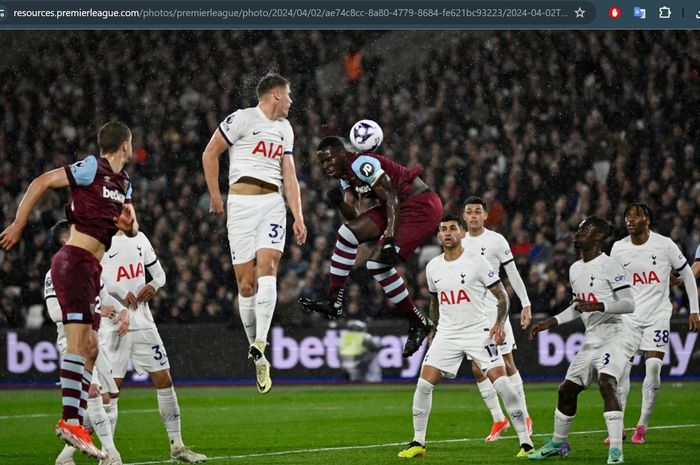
[{"x": 366, "y": 135}]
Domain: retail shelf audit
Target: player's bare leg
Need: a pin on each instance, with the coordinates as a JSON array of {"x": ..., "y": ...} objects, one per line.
[
  {"x": 499, "y": 379},
  {"x": 422, "y": 404},
  {"x": 356, "y": 231},
  {"x": 490, "y": 396},
  {"x": 73, "y": 377},
  {"x": 650, "y": 389},
  {"x": 563, "y": 418}
]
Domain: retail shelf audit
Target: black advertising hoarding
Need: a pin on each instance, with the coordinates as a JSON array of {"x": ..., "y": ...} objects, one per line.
[{"x": 216, "y": 353}]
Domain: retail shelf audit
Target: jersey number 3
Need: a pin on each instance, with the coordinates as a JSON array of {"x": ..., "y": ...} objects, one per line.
[{"x": 276, "y": 233}]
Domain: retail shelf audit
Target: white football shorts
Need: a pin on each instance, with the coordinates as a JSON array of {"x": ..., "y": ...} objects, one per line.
[
  {"x": 508, "y": 345},
  {"x": 447, "y": 351},
  {"x": 654, "y": 337},
  {"x": 255, "y": 222},
  {"x": 606, "y": 349},
  {"x": 143, "y": 347}
]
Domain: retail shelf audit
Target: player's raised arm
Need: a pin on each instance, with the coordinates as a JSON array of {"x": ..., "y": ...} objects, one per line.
[
  {"x": 53, "y": 179},
  {"x": 293, "y": 195},
  {"x": 210, "y": 161}
]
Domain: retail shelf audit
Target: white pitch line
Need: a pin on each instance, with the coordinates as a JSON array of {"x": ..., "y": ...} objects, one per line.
[
  {"x": 305, "y": 408},
  {"x": 41, "y": 415},
  {"x": 390, "y": 444}
]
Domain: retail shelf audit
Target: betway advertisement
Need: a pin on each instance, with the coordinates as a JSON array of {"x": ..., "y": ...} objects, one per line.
[{"x": 210, "y": 352}]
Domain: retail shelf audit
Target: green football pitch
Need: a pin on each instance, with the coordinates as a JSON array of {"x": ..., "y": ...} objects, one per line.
[{"x": 347, "y": 424}]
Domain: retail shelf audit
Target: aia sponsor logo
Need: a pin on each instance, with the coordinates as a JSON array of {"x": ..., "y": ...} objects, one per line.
[
  {"x": 268, "y": 150},
  {"x": 454, "y": 297},
  {"x": 645, "y": 278},
  {"x": 130, "y": 272},
  {"x": 587, "y": 297}
]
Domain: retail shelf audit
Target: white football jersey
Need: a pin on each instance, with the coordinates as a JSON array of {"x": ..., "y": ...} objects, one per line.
[
  {"x": 124, "y": 265},
  {"x": 648, "y": 267},
  {"x": 597, "y": 281},
  {"x": 460, "y": 286},
  {"x": 256, "y": 145},
  {"x": 496, "y": 250}
]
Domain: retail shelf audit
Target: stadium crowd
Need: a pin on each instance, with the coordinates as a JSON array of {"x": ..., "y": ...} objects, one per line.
[{"x": 547, "y": 127}]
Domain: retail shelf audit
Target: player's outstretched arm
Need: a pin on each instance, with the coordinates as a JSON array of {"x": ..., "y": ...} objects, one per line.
[
  {"x": 293, "y": 195},
  {"x": 570, "y": 313},
  {"x": 53, "y": 179},
  {"x": 210, "y": 161},
  {"x": 542, "y": 326}
]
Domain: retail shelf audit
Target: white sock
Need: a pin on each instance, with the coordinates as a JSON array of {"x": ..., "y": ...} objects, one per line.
[
  {"x": 623, "y": 388},
  {"x": 87, "y": 421},
  {"x": 113, "y": 413},
  {"x": 650, "y": 389},
  {"x": 615, "y": 426},
  {"x": 562, "y": 426},
  {"x": 422, "y": 402},
  {"x": 514, "y": 407},
  {"x": 67, "y": 451},
  {"x": 516, "y": 383},
  {"x": 265, "y": 306},
  {"x": 488, "y": 393},
  {"x": 246, "y": 307},
  {"x": 100, "y": 423},
  {"x": 170, "y": 414}
]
